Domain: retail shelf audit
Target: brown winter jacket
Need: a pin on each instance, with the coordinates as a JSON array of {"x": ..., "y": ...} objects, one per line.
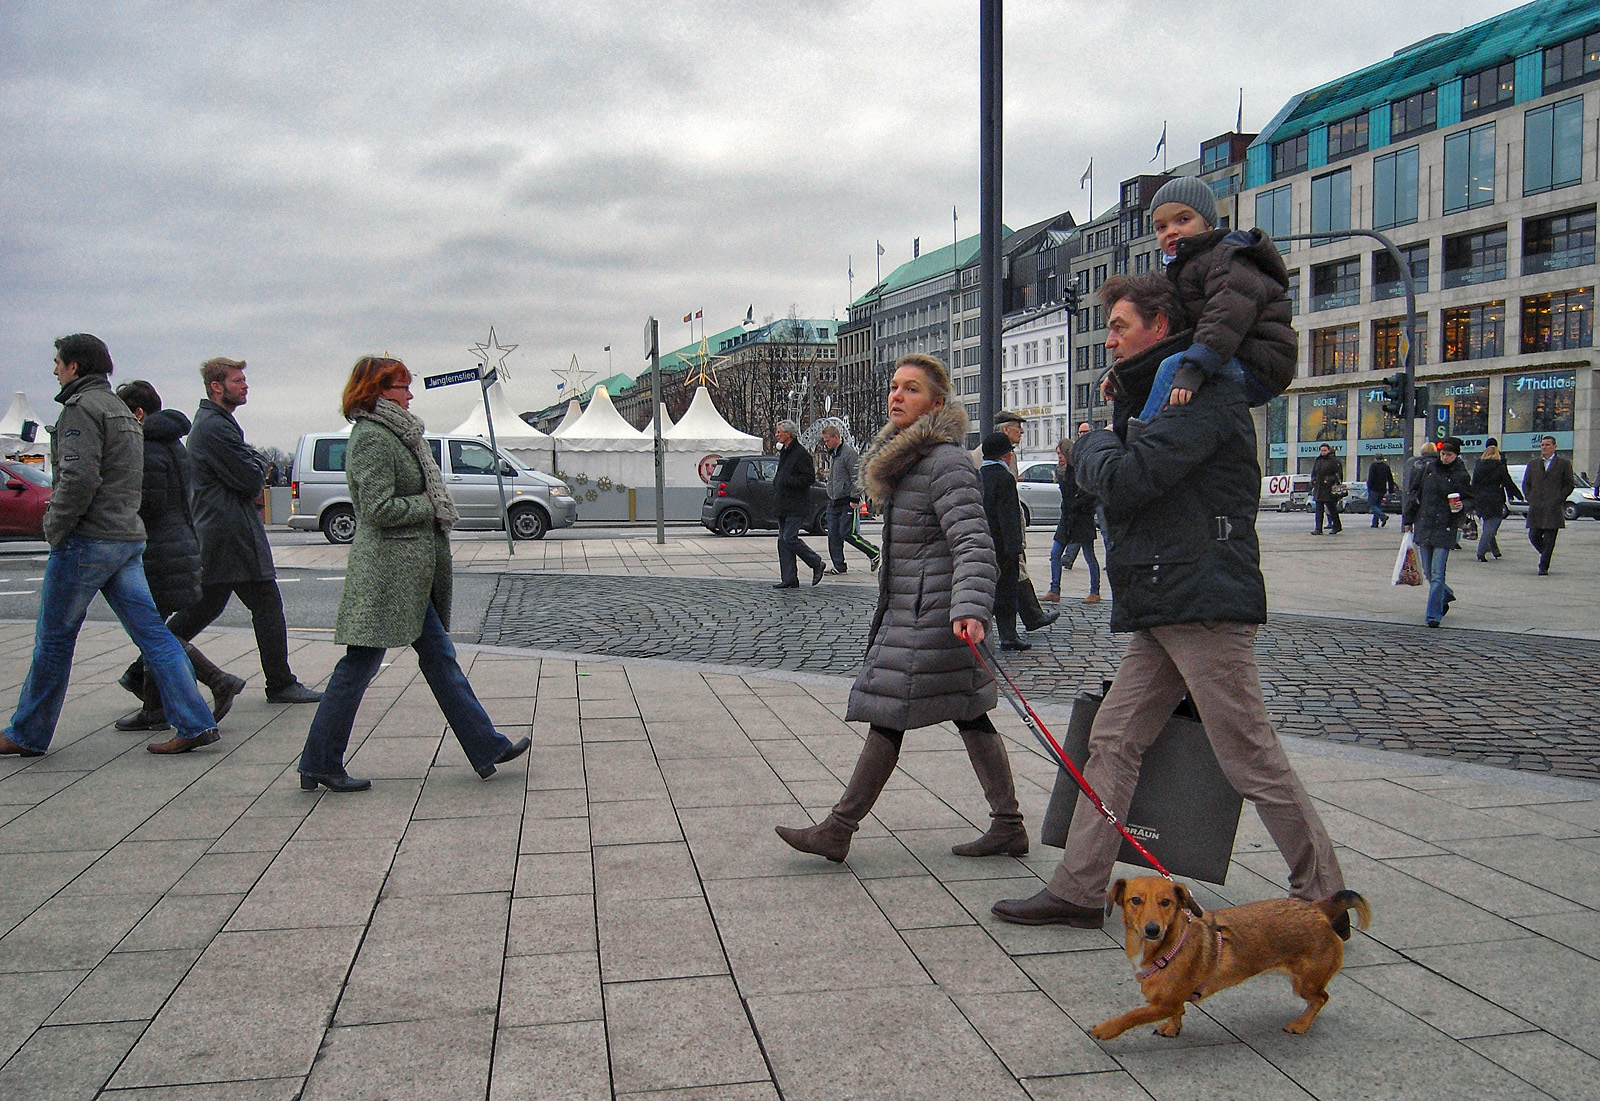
[{"x": 1235, "y": 290}]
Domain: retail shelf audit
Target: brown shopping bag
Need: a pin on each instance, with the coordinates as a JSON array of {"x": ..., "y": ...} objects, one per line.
[
  {"x": 1184, "y": 810},
  {"x": 1408, "y": 563}
]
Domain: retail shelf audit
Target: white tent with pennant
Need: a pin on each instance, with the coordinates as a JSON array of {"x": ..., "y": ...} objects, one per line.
[{"x": 700, "y": 439}]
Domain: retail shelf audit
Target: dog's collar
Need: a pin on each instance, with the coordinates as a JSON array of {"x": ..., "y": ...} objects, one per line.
[{"x": 1161, "y": 961}]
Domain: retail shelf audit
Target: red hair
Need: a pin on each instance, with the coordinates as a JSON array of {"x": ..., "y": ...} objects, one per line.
[{"x": 370, "y": 377}]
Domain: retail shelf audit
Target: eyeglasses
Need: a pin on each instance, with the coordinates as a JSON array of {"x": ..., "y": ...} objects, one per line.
[{"x": 405, "y": 386}]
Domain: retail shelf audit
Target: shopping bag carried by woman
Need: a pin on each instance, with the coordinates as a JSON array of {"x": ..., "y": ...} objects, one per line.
[{"x": 1407, "y": 564}]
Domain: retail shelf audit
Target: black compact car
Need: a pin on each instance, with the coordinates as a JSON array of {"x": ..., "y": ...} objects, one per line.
[{"x": 739, "y": 497}]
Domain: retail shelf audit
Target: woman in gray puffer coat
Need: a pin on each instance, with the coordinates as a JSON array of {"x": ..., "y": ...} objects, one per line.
[{"x": 935, "y": 591}]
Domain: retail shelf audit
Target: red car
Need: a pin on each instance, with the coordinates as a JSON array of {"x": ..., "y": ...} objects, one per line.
[{"x": 23, "y": 499}]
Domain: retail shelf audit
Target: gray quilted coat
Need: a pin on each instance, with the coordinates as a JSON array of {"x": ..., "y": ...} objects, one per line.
[
  {"x": 938, "y": 567},
  {"x": 399, "y": 559}
]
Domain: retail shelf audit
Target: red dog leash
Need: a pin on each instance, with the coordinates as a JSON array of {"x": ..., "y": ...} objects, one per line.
[{"x": 1033, "y": 722}]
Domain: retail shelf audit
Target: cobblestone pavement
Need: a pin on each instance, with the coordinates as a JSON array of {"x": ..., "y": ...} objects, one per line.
[{"x": 1517, "y": 702}]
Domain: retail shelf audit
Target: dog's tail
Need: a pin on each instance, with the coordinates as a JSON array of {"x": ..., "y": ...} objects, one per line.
[{"x": 1335, "y": 905}]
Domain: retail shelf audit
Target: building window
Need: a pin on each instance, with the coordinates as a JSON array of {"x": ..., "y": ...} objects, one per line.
[
  {"x": 1275, "y": 213},
  {"x": 1347, "y": 137},
  {"x": 1558, "y": 322},
  {"x": 1394, "y": 189},
  {"x": 1552, "y": 148},
  {"x": 1215, "y": 155},
  {"x": 1083, "y": 320},
  {"x": 1289, "y": 157},
  {"x": 1386, "y": 343},
  {"x": 1572, "y": 62},
  {"x": 1082, "y": 358},
  {"x": 1080, "y": 395},
  {"x": 1539, "y": 402},
  {"x": 1141, "y": 263},
  {"x": 1099, "y": 276},
  {"x": 1469, "y": 168},
  {"x": 1099, "y": 357},
  {"x": 1330, "y": 203},
  {"x": 1416, "y": 114},
  {"x": 1334, "y": 351},
  {"x": 1386, "y": 280},
  {"x": 1335, "y": 285},
  {"x": 1559, "y": 241},
  {"x": 1471, "y": 258},
  {"x": 1487, "y": 89},
  {"x": 1294, "y": 293},
  {"x": 1099, "y": 317},
  {"x": 1473, "y": 332}
]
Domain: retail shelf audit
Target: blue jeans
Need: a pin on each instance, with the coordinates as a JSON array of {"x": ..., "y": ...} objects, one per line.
[
  {"x": 790, "y": 546},
  {"x": 1488, "y": 529},
  {"x": 76, "y": 570},
  {"x": 1161, "y": 388},
  {"x": 436, "y": 655},
  {"x": 844, "y": 516},
  {"x": 1058, "y": 552},
  {"x": 1375, "y": 506},
  {"x": 1439, "y": 594}
]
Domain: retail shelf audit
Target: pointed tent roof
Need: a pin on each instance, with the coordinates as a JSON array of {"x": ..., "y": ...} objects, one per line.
[
  {"x": 573, "y": 415},
  {"x": 701, "y": 421},
  {"x": 666, "y": 420},
  {"x": 510, "y": 430},
  {"x": 11, "y": 423},
  {"x": 601, "y": 421}
]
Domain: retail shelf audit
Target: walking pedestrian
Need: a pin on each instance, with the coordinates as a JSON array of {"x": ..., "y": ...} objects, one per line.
[
  {"x": 235, "y": 557},
  {"x": 1075, "y": 530},
  {"x": 1436, "y": 510},
  {"x": 1185, "y": 569},
  {"x": 172, "y": 552},
  {"x": 397, "y": 581},
  {"x": 935, "y": 592},
  {"x": 844, "y": 500},
  {"x": 1380, "y": 481},
  {"x": 1491, "y": 486},
  {"x": 1546, "y": 484},
  {"x": 1412, "y": 472},
  {"x": 791, "y": 503},
  {"x": 1327, "y": 482},
  {"x": 1003, "y": 511},
  {"x": 97, "y": 546}
]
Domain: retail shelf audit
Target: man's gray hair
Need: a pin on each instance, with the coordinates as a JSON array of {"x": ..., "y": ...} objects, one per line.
[{"x": 787, "y": 425}]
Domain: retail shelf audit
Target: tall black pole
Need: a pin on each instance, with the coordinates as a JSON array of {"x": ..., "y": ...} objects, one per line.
[{"x": 991, "y": 106}]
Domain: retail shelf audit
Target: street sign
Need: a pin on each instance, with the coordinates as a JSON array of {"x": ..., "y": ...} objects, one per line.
[{"x": 433, "y": 382}]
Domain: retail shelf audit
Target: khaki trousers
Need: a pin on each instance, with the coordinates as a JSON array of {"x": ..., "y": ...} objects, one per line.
[{"x": 1216, "y": 664}]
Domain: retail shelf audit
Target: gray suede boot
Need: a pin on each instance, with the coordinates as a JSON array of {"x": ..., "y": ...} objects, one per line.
[
  {"x": 831, "y": 836},
  {"x": 1006, "y": 835}
]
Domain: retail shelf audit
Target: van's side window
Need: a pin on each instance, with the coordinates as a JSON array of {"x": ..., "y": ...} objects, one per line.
[
  {"x": 433, "y": 445},
  {"x": 329, "y": 454},
  {"x": 467, "y": 457}
]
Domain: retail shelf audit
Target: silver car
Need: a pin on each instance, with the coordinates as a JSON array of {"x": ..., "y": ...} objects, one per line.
[
  {"x": 536, "y": 501},
  {"x": 1040, "y": 495}
]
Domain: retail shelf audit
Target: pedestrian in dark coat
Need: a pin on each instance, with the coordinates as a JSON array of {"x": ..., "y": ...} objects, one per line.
[
  {"x": 1547, "y": 483},
  {"x": 1491, "y": 487},
  {"x": 172, "y": 553},
  {"x": 935, "y": 595},
  {"x": 791, "y": 504},
  {"x": 1436, "y": 510},
  {"x": 1327, "y": 477},
  {"x": 397, "y": 583},
  {"x": 1075, "y": 530},
  {"x": 1004, "y": 513},
  {"x": 1380, "y": 480},
  {"x": 236, "y": 559}
]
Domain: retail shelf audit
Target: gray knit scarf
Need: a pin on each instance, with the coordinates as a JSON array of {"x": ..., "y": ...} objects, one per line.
[{"x": 409, "y": 429}]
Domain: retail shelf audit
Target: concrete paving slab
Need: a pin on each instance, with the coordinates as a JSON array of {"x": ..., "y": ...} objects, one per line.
[
  {"x": 552, "y": 923},
  {"x": 632, "y": 821},
  {"x": 72, "y": 932},
  {"x": 1540, "y": 1059},
  {"x": 30, "y": 997},
  {"x": 1225, "y": 1070},
  {"x": 554, "y": 874},
  {"x": 554, "y": 835},
  {"x": 455, "y": 856},
  {"x": 916, "y": 902},
  {"x": 1430, "y": 997},
  {"x": 963, "y": 959},
  {"x": 428, "y": 958},
  {"x": 257, "y": 1089},
  {"x": 315, "y": 883},
  {"x": 433, "y": 1060},
  {"x": 551, "y": 1062},
  {"x": 126, "y": 986},
  {"x": 66, "y": 1062},
  {"x": 651, "y": 1049},
  {"x": 1116, "y": 1085},
  {"x": 181, "y": 921},
  {"x": 552, "y": 988},
  {"x": 667, "y": 938},
  {"x": 1546, "y": 984},
  {"x": 632, "y": 873}
]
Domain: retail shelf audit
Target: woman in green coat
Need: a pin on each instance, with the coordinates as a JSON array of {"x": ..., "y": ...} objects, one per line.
[{"x": 397, "y": 581}]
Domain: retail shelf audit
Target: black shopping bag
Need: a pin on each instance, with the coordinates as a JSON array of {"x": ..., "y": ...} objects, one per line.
[{"x": 1184, "y": 810}]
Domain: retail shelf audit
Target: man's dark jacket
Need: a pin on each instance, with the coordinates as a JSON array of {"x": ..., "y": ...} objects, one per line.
[
  {"x": 228, "y": 477},
  {"x": 1547, "y": 491},
  {"x": 1380, "y": 480},
  {"x": 1180, "y": 504},
  {"x": 1002, "y": 508},
  {"x": 97, "y": 455},
  {"x": 172, "y": 550},
  {"x": 792, "y": 486}
]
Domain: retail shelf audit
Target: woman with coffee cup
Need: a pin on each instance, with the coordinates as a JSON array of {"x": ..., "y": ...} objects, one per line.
[{"x": 1433, "y": 514}]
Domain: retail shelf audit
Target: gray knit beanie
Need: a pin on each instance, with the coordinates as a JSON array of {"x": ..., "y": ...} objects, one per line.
[{"x": 1193, "y": 193}]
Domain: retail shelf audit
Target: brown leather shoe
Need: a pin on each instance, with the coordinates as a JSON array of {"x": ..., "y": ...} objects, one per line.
[
  {"x": 1050, "y": 598},
  {"x": 8, "y": 748},
  {"x": 1045, "y": 908},
  {"x": 178, "y": 744},
  {"x": 1092, "y": 598}
]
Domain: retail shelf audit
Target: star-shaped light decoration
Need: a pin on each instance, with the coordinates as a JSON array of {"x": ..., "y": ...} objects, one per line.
[
  {"x": 493, "y": 354},
  {"x": 703, "y": 365},
  {"x": 574, "y": 380}
]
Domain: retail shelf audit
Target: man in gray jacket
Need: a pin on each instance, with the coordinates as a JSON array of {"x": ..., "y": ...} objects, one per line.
[
  {"x": 844, "y": 500},
  {"x": 235, "y": 558},
  {"x": 97, "y": 546}
]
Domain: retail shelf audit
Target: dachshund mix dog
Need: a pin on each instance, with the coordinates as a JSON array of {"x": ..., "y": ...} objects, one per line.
[{"x": 1187, "y": 954}]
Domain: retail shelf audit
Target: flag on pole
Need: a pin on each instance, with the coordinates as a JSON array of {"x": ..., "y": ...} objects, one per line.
[
  {"x": 1238, "y": 126},
  {"x": 699, "y": 315},
  {"x": 1160, "y": 145},
  {"x": 750, "y": 314},
  {"x": 880, "y": 248},
  {"x": 916, "y": 247},
  {"x": 687, "y": 318},
  {"x": 1088, "y": 174},
  {"x": 607, "y": 348}
]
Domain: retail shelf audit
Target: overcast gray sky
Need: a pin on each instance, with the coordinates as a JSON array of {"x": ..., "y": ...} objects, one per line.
[{"x": 297, "y": 183}]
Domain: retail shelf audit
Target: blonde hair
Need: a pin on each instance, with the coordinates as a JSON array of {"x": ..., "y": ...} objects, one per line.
[
  {"x": 1491, "y": 452},
  {"x": 216, "y": 370},
  {"x": 938, "y": 377}
]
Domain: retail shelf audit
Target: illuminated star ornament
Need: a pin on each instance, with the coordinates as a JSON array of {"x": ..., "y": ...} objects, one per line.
[
  {"x": 573, "y": 380},
  {"x": 493, "y": 354},
  {"x": 702, "y": 365}
]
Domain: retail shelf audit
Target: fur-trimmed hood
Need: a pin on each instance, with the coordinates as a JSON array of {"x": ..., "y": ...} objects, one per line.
[{"x": 893, "y": 451}]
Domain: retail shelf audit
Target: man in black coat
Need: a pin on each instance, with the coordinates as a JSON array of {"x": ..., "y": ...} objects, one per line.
[
  {"x": 791, "y": 504},
  {"x": 1380, "y": 480},
  {"x": 228, "y": 477},
  {"x": 1327, "y": 479},
  {"x": 1547, "y": 483},
  {"x": 1185, "y": 571},
  {"x": 1004, "y": 512}
]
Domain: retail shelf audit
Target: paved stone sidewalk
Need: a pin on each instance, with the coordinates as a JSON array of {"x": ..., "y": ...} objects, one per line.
[{"x": 616, "y": 919}]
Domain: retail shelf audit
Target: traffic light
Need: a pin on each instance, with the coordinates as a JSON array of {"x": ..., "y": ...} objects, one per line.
[
  {"x": 1394, "y": 393},
  {"x": 1421, "y": 407},
  {"x": 1070, "y": 299}
]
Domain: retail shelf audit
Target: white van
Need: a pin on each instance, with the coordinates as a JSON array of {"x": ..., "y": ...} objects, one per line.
[
  {"x": 536, "y": 501},
  {"x": 1286, "y": 492}
]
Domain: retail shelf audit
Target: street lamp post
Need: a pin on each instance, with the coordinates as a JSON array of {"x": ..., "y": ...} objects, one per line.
[{"x": 991, "y": 110}]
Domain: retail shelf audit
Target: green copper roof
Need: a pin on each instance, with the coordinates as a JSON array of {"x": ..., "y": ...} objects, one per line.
[
  {"x": 1501, "y": 38},
  {"x": 940, "y": 261}
]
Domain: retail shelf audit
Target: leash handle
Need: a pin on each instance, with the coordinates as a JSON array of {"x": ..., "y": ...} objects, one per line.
[{"x": 1034, "y": 723}]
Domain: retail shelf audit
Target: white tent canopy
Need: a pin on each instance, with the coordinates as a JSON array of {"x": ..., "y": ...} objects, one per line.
[
  {"x": 601, "y": 421},
  {"x": 11, "y": 423},
  {"x": 573, "y": 414},
  {"x": 702, "y": 423},
  {"x": 510, "y": 430}
]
